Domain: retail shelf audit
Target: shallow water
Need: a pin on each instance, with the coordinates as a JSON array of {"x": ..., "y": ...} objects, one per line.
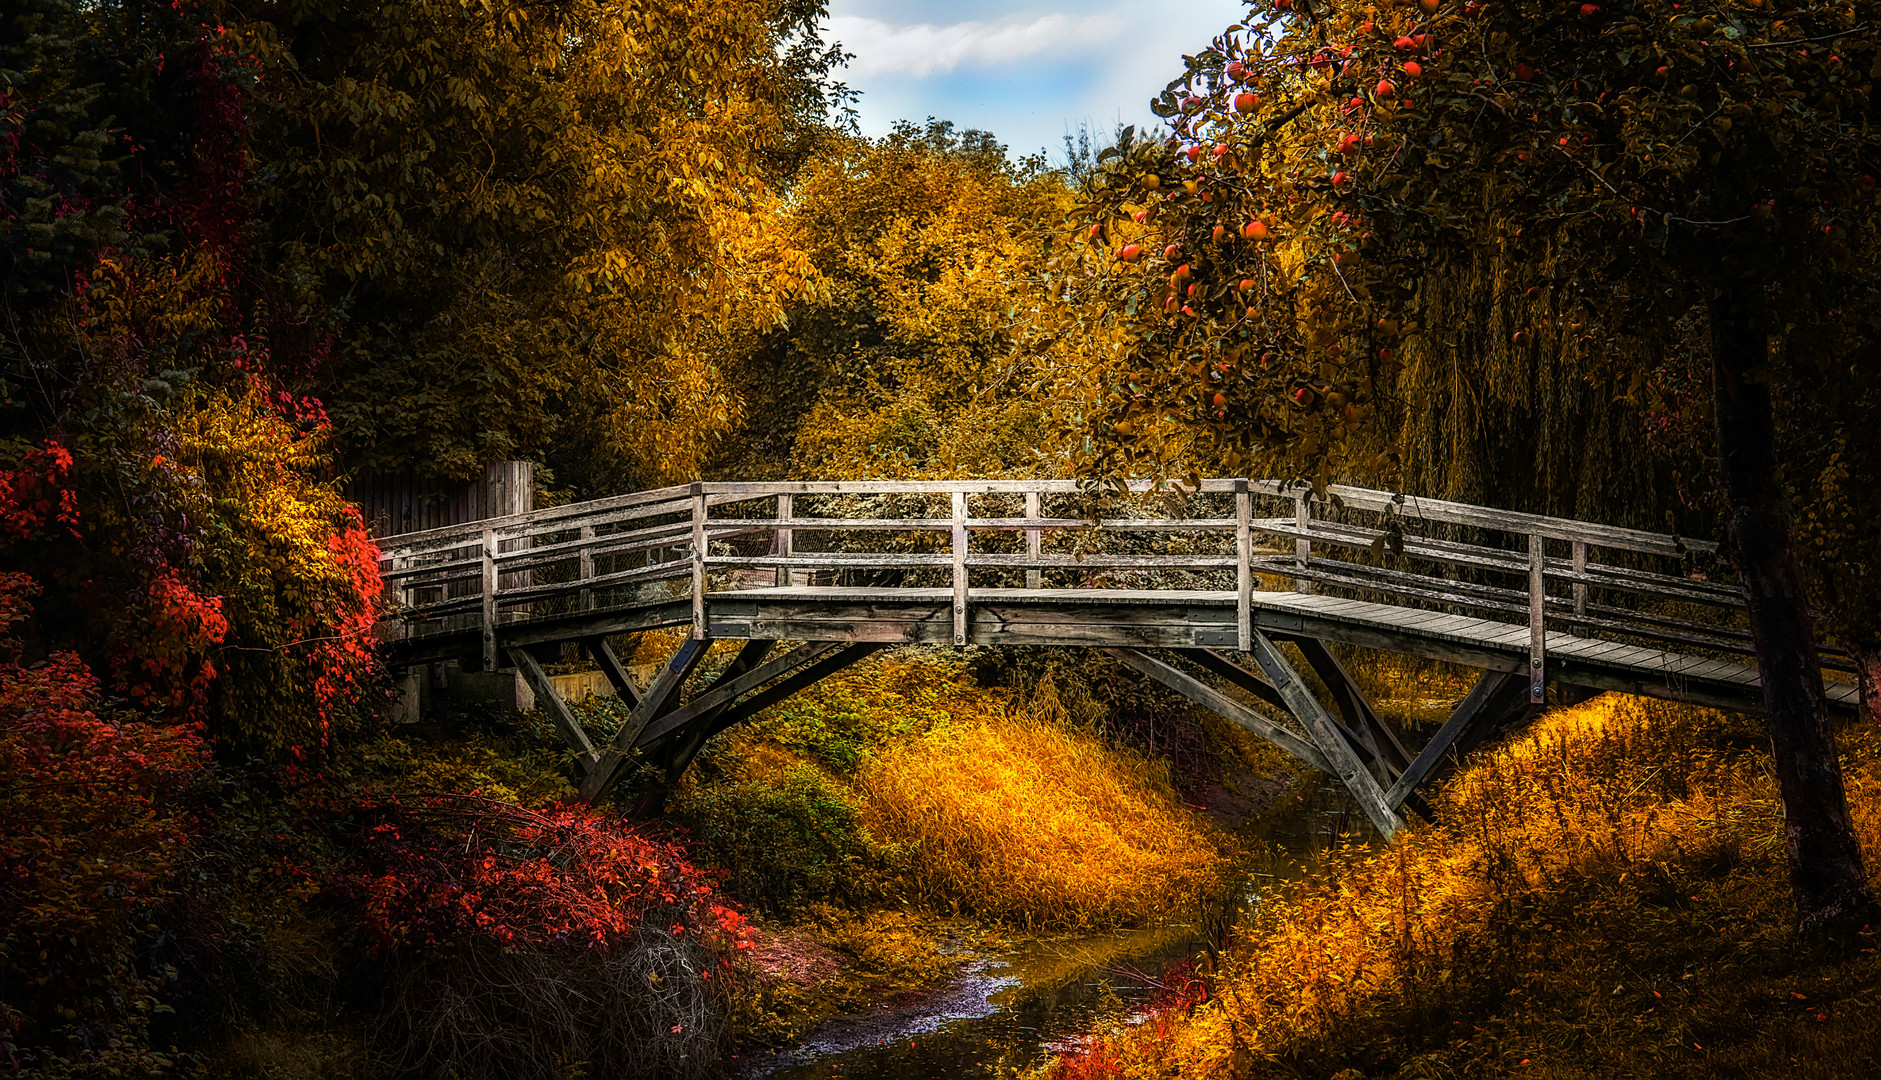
[{"x": 1015, "y": 1009}]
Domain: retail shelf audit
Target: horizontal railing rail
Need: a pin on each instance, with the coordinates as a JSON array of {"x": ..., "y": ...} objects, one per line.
[{"x": 684, "y": 543}]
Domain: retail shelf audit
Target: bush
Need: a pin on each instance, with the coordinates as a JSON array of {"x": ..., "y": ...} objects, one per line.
[
  {"x": 1019, "y": 819},
  {"x": 785, "y": 834}
]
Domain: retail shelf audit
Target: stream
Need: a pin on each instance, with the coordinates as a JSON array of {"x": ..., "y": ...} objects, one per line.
[{"x": 1013, "y": 1009}]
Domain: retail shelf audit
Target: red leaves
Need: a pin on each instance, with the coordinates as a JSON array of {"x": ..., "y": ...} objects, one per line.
[
  {"x": 462, "y": 866},
  {"x": 34, "y": 496}
]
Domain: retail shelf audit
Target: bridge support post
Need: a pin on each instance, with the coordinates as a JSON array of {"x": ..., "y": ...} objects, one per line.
[
  {"x": 552, "y": 703},
  {"x": 1345, "y": 764},
  {"x": 960, "y": 567},
  {"x": 1537, "y": 618},
  {"x": 1243, "y": 565}
]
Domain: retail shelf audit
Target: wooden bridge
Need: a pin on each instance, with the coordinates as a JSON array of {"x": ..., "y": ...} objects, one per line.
[{"x": 1196, "y": 589}]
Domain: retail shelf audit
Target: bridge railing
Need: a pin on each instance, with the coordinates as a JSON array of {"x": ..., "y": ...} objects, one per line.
[{"x": 678, "y": 545}]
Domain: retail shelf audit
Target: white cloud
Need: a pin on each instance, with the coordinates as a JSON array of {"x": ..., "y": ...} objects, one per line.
[{"x": 922, "y": 49}]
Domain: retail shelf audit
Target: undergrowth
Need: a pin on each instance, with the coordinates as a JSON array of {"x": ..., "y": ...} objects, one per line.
[{"x": 1604, "y": 896}]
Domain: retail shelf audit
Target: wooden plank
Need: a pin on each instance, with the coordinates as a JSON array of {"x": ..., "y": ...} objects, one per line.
[
  {"x": 1243, "y": 566},
  {"x": 1302, "y": 547},
  {"x": 784, "y": 544},
  {"x": 1537, "y": 618},
  {"x": 585, "y": 599},
  {"x": 1472, "y": 710},
  {"x": 1354, "y": 707},
  {"x": 1241, "y": 678},
  {"x": 960, "y": 567},
  {"x": 1033, "y": 548},
  {"x": 1346, "y": 766},
  {"x": 1208, "y": 697},
  {"x": 733, "y": 684},
  {"x": 616, "y": 672},
  {"x": 658, "y": 697},
  {"x": 489, "y": 600},
  {"x": 1577, "y": 558},
  {"x": 699, "y": 553},
  {"x": 810, "y": 674},
  {"x": 552, "y": 703}
]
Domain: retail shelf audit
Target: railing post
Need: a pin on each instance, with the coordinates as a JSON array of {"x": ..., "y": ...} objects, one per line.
[
  {"x": 698, "y": 560},
  {"x": 1579, "y": 564},
  {"x": 1243, "y": 566},
  {"x": 1537, "y": 612},
  {"x": 785, "y": 542},
  {"x": 489, "y": 600},
  {"x": 960, "y": 567},
  {"x": 1034, "y": 576},
  {"x": 587, "y": 566},
  {"x": 1302, "y": 547}
]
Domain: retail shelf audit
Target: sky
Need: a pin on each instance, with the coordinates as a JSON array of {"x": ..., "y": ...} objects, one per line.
[{"x": 1026, "y": 70}]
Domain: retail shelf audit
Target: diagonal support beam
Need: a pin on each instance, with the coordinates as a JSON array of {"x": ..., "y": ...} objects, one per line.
[
  {"x": 1208, "y": 697},
  {"x": 657, "y": 698},
  {"x": 1357, "y": 711},
  {"x": 1225, "y": 667},
  {"x": 603, "y": 655},
  {"x": 727, "y": 690},
  {"x": 1487, "y": 703},
  {"x": 557, "y": 708},
  {"x": 822, "y": 668},
  {"x": 1325, "y": 731}
]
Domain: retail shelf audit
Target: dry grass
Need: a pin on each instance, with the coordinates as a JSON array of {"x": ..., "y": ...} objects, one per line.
[
  {"x": 1022, "y": 820},
  {"x": 1604, "y": 897}
]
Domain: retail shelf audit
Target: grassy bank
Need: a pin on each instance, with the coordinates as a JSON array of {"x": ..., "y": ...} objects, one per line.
[{"x": 1605, "y": 896}]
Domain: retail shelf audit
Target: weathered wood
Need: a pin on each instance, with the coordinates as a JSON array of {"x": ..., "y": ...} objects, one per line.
[
  {"x": 810, "y": 674},
  {"x": 1475, "y": 709},
  {"x": 1359, "y": 715},
  {"x": 1345, "y": 764},
  {"x": 1241, "y": 678},
  {"x": 656, "y": 700},
  {"x": 551, "y": 702},
  {"x": 699, "y": 553},
  {"x": 1033, "y": 542},
  {"x": 1302, "y": 546},
  {"x": 960, "y": 567},
  {"x": 784, "y": 544},
  {"x": 603, "y": 656},
  {"x": 1228, "y": 708},
  {"x": 728, "y": 688},
  {"x": 1537, "y": 619},
  {"x": 489, "y": 600},
  {"x": 1243, "y": 566}
]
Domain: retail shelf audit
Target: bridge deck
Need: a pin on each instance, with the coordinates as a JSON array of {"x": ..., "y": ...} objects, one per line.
[{"x": 1197, "y": 619}]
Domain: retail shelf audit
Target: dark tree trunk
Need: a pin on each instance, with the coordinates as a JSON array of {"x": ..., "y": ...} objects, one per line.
[
  {"x": 1825, "y": 858},
  {"x": 1868, "y": 678}
]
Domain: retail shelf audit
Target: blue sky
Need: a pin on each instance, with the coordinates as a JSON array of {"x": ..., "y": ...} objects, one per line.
[{"x": 1025, "y": 70}]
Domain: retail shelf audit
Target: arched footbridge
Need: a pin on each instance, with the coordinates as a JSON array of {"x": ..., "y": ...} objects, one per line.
[{"x": 1197, "y": 589}]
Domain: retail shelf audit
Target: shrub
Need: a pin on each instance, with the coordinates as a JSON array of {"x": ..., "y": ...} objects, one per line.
[
  {"x": 785, "y": 834},
  {"x": 1019, "y": 819},
  {"x": 93, "y": 829},
  {"x": 524, "y": 943}
]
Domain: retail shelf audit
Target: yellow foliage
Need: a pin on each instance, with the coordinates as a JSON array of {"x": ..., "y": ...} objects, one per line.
[
  {"x": 1020, "y": 819},
  {"x": 1594, "y": 900}
]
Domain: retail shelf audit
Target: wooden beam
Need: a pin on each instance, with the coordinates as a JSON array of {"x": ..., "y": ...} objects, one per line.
[
  {"x": 1346, "y": 766},
  {"x": 1243, "y": 679},
  {"x": 1208, "y": 697},
  {"x": 1353, "y": 706},
  {"x": 699, "y": 553},
  {"x": 489, "y": 600},
  {"x": 1243, "y": 566},
  {"x": 655, "y": 701},
  {"x": 1034, "y": 577},
  {"x": 603, "y": 655},
  {"x": 558, "y": 710},
  {"x": 1476, "y": 711},
  {"x": 1537, "y": 617},
  {"x": 734, "y": 683},
  {"x": 808, "y": 675},
  {"x": 960, "y": 567}
]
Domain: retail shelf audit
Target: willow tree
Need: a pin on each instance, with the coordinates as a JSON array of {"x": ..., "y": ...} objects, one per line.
[{"x": 1670, "y": 201}]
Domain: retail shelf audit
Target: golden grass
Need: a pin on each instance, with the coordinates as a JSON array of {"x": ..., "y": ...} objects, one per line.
[
  {"x": 1605, "y": 896},
  {"x": 1025, "y": 821}
]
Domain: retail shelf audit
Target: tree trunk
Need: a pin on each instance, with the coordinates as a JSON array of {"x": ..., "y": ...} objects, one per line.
[
  {"x": 1868, "y": 678},
  {"x": 1824, "y": 856}
]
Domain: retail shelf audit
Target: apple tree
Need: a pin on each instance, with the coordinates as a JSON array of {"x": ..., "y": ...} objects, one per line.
[{"x": 1672, "y": 201}]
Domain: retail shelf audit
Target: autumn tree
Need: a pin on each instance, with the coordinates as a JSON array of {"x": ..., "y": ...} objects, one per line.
[
  {"x": 1670, "y": 203},
  {"x": 930, "y": 243},
  {"x": 532, "y": 230}
]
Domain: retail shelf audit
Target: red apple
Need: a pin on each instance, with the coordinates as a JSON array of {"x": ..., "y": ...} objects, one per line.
[
  {"x": 1255, "y": 230},
  {"x": 1405, "y": 42},
  {"x": 1246, "y": 103},
  {"x": 1237, "y": 70},
  {"x": 1384, "y": 89},
  {"x": 1220, "y": 399},
  {"x": 1172, "y": 251},
  {"x": 1413, "y": 69},
  {"x": 1129, "y": 252}
]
